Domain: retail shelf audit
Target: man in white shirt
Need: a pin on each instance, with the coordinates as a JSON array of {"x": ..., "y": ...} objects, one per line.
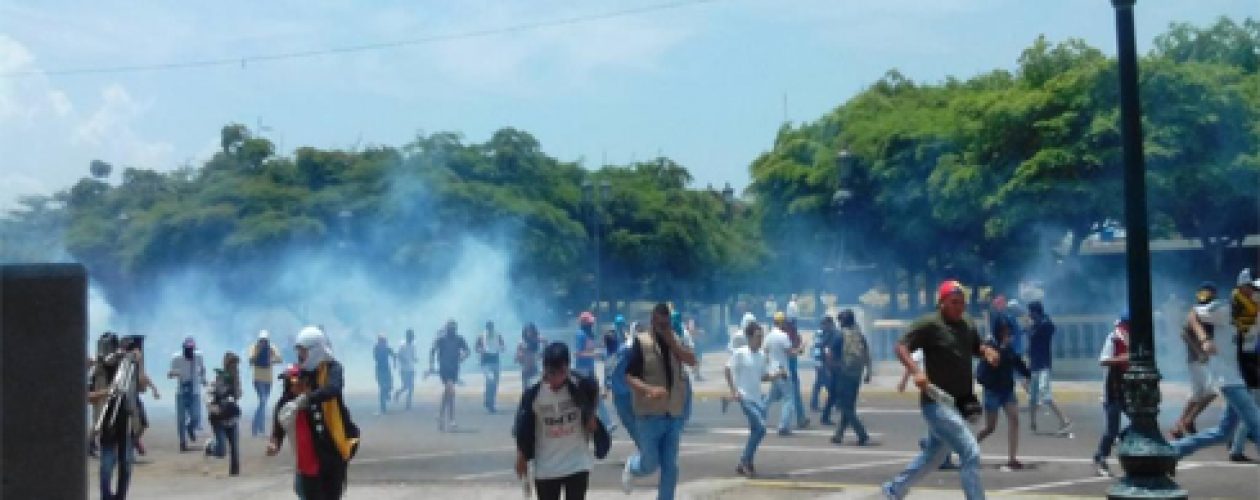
[
  {"x": 407, "y": 367},
  {"x": 489, "y": 346},
  {"x": 778, "y": 349},
  {"x": 189, "y": 372},
  {"x": 1240, "y": 407},
  {"x": 793, "y": 309},
  {"x": 746, "y": 369}
]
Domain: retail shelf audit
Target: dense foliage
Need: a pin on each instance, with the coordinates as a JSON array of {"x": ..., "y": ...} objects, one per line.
[{"x": 902, "y": 184}]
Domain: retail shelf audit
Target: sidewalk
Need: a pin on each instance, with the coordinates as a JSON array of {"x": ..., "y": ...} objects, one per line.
[
  {"x": 281, "y": 488},
  {"x": 883, "y": 384}
]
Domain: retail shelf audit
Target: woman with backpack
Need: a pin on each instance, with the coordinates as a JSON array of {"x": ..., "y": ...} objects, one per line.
[
  {"x": 554, "y": 428},
  {"x": 224, "y": 412},
  {"x": 850, "y": 358}
]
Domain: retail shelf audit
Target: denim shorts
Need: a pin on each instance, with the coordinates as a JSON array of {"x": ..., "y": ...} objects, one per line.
[{"x": 994, "y": 400}]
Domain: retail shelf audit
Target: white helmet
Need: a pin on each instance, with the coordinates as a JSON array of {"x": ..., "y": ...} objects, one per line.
[{"x": 312, "y": 339}]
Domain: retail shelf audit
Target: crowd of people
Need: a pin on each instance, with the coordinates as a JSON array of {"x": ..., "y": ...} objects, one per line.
[{"x": 562, "y": 424}]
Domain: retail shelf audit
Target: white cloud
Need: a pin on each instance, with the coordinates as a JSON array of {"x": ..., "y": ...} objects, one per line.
[{"x": 48, "y": 139}]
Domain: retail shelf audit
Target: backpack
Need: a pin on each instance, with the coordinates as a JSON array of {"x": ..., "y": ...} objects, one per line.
[
  {"x": 853, "y": 357},
  {"x": 262, "y": 355}
]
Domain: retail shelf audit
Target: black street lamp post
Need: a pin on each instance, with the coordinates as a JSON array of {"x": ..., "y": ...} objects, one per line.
[
  {"x": 593, "y": 199},
  {"x": 838, "y": 202},
  {"x": 728, "y": 202},
  {"x": 1148, "y": 460}
]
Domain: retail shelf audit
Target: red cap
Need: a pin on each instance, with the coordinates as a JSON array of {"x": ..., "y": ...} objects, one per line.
[
  {"x": 947, "y": 287},
  {"x": 586, "y": 318}
]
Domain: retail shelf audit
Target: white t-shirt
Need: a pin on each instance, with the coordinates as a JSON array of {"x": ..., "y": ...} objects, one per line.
[
  {"x": 491, "y": 343},
  {"x": 747, "y": 369},
  {"x": 776, "y": 346},
  {"x": 407, "y": 357},
  {"x": 793, "y": 310},
  {"x": 189, "y": 370},
  {"x": 1224, "y": 364},
  {"x": 560, "y": 446}
]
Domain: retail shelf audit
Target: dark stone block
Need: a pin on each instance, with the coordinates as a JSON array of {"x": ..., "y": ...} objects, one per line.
[{"x": 43, "y": 393}]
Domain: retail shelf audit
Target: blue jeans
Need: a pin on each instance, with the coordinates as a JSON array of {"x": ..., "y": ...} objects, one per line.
[
  {"x": 263, "y": 389},
  {"x": 780, "y": 390},
  {"x": 384, "y": 386},
  {"x": 624, "y": 403},
  {"x": 408, "y": 381},
  {"x": 225, "y": 443},
  {"x": 118, "y": 454},
  {"x": 1111, "y": 432},
  {"x": 187, "y": 414},
  {"x": 822, "y": 380},
  {"x": 948, "y": 431},
  {"x": 1239, "y": 407},
  {"x": 1239, "y": 445},
  {"x": 491, "y": 370},
  {"x": 797, "y": 401},
  {"x": 755, "y": 412},
  {"x": 658, "y": 448},
  {"x": 846, "y": 387}
]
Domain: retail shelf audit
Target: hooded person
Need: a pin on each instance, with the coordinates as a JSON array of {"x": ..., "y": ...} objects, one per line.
[
  {"x": 189, "y": 371},
  {"x": 324, "y": 436}
]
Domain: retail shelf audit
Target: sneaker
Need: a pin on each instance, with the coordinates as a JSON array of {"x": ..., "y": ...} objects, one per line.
[
  {"x": 837, "y": 439},
  {"x": 745, "y": 470},
  {"x": 1101, "y": 468},
  {"x": 627, "y": 479},
  {"x": 1241, "y": 458},
  {"x": 1067, "y": 426},
  {"x": 948, "y": 465},
  {"x": 864, "y": 441}
]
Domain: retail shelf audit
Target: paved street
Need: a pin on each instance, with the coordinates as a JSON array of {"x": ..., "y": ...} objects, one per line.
[{"x": 404, "y": 454}]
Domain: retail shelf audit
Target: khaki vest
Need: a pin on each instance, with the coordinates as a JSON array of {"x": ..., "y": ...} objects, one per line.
[{"x": 654, "y": 374}]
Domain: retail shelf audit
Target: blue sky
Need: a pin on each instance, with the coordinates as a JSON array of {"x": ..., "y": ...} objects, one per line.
[{"x": 703, "y": 83}]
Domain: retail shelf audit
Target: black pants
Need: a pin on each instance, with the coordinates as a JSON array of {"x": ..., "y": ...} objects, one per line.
[
  {"x": 574, "y": 487},
  {"x": 328, "y": 485}
]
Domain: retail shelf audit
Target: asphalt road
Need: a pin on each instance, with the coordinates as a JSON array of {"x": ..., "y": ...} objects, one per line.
[{"x": 405, "y": 448}]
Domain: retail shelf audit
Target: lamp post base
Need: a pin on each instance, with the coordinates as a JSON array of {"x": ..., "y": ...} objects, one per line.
[{"x": 1149, "y": 462}]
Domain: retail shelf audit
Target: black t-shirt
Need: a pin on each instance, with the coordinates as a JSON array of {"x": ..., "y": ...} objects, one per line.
[
  {"x": 947, "y": 351},
  {"x": 449, "y": 350}
]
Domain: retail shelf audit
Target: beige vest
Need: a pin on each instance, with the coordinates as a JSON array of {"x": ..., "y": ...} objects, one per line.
[{"x": 654, "y": 374}]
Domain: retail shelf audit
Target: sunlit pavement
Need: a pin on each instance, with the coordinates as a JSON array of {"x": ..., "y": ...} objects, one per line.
[{"x": 404, "y": 456}]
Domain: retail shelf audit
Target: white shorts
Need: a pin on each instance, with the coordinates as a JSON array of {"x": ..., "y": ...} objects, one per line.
[
  {"x": 1039, "y": 387},
  {"x": 1200, "y": 384}
]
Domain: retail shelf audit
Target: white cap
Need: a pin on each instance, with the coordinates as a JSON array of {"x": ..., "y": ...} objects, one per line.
[
  {"x": 263, "y": 335},
  {"x": 1244, "y": 277}
]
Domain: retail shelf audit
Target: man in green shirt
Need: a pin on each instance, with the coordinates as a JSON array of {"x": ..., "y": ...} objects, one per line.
[{"x": 948, "y": 340}]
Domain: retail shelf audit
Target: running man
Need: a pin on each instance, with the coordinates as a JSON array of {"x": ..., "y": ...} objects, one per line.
[
  {"x": 407, "y": 368},
  {"x": 1039, "y": 360},
  {"x": 1114, "y": 356},
  {"x": 949, "y": 340},
  {"x": 451, "y": 350}
]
